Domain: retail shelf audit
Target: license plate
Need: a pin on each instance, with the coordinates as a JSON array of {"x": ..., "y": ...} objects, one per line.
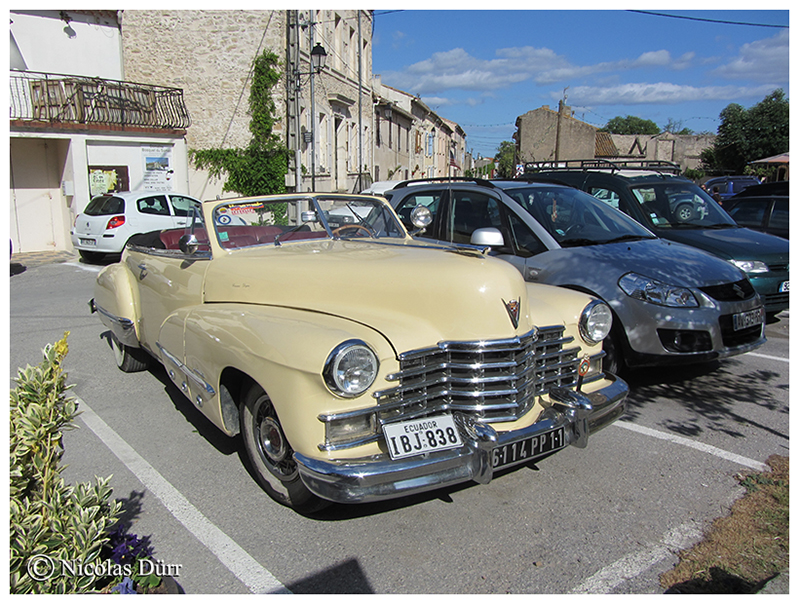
[
  {"x": 88, "y": 242},
  {"x": 748, "y": 319},
  {"x": 531, "y": 447},
  {"x": 784, "y": 287},
  {"x": 414, "y": 437}
]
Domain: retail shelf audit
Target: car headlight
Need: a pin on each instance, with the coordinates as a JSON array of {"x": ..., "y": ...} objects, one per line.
[
  {"x": 751, "y": 266},
  {"x": 656, "y": 292},
  {"x": 595, "y": 322},
  {"x": 351, "y": 369}
]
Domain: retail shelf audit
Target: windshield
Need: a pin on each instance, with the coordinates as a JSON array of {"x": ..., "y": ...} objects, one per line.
[
  {"x": 680, "y": 206},
  {"x": 280, "y": 220},
  {"x": 575, "y": 218}
]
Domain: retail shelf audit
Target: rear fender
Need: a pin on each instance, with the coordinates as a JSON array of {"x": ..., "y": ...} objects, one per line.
[{"x": 116, "y": 300}]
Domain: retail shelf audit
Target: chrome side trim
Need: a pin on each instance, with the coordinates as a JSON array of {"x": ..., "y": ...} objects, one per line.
[{"x": 193, "y": 375}]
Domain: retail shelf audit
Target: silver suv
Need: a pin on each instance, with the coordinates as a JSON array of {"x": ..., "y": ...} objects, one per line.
[{"x": 672, "y": 303}]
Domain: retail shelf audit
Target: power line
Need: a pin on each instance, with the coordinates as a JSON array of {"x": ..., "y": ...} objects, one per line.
[{"x": 722, "y": 21}]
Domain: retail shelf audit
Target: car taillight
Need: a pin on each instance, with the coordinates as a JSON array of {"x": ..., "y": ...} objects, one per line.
[{"x": 115, "y": 221}]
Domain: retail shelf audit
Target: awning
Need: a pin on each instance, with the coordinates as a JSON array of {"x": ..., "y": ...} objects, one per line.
[{"x": 782, "y": 158}]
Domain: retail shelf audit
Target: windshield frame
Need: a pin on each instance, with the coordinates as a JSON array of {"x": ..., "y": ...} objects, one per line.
[{"x": 302, "y": 217}]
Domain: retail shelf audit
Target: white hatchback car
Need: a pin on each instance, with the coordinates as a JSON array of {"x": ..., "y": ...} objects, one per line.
[{"x": 111, "y": 219}]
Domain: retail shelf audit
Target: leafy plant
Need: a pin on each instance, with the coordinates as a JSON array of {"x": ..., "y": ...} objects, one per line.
[
  {"x": 52, "y": 525},
  {"x": 261, "y": 167}
]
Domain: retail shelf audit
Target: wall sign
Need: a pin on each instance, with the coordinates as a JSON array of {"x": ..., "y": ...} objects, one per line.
[{"x": 157, "y": 168}]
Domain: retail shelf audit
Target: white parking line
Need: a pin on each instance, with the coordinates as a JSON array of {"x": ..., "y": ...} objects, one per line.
[
  {"x": 708, "y": 449},
  {"x": 773, "y": 358},
  {"x": 634, "y": 564},
  {"x": 249, "y": 571},
  {"x": 84, "y": 267}
]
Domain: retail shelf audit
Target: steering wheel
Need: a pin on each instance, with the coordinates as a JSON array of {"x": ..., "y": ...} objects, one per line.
[{"x": 337, "y": 232}]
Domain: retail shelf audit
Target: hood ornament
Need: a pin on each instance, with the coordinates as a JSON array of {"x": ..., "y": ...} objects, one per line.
[{"x": 512, "y": 307}]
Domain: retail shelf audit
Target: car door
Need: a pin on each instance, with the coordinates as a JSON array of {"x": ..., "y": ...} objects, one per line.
[{"x": 152, "y": 213}]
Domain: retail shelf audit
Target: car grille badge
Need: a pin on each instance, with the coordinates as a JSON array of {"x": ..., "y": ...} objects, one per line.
[{"x": 512, "y": 307}]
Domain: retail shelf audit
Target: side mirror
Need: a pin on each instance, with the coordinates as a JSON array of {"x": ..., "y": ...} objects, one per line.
[
  {"x": 421, "y": 217},
  {"x": 487, "y": 237},
  {"x": 308, "y": 216},
  {"x": 188, "y": 243}
]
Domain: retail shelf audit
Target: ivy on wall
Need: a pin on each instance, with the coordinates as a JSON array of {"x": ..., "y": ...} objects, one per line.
[{"x": 261, "y": 167}]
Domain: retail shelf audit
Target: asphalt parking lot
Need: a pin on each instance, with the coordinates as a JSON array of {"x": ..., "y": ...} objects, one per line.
[{"x": 607, "y": 519}]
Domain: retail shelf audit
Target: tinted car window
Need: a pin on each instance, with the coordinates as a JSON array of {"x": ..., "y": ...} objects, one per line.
[
  {"x": 525, "y": 241},
  {"x": 780, "y": 216},
  {"x": 471, "y": 210},
  {"x": 749, "y": 214},
  {"x": 430, "y": 199},
  {"x": 104, "y": 205},
  {"x": 156, "y": 204},
  {"x": 668, "y": 205}
]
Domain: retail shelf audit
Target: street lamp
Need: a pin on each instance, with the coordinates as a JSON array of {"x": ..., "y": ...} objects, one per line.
[{"x": 318, "y": 58}]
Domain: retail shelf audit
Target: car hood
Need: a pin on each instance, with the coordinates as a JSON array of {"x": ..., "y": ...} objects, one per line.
[
  {"x": 737, "y": 243},
  {"x": 600, "y": 267},
  {"x": 414, "y": 295}
]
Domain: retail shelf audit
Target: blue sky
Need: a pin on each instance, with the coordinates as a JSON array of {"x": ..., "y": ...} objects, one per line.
[{"x": 483, "y": 69}]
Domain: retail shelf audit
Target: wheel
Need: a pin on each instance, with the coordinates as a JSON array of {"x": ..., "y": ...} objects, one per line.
[
  {"x": 91, "y": 257},
  {"x": 271, "y": 454},
  {"x": 356, "y": 228},
  {"x": 129, "y": 359},
  {"x": 684, "y": 213},
  {"x": 614, "y": 361}
]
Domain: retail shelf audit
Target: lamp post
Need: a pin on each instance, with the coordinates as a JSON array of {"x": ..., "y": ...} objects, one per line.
[{"x": 317, "y": 61}]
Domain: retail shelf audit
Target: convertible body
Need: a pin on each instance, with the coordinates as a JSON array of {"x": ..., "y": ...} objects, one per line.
[{"x": 357, "y": 363}]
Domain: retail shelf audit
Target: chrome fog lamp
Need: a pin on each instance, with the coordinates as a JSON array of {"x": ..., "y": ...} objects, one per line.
[
  {"x": 351, "y": 369},
  {"x": 421, "y": 217},
  {"x": 751, "y": 266},
  {"x": 350, "y": 429},
  {"x": 595, "y": 322},
  {"x": 656, "y": 292}
]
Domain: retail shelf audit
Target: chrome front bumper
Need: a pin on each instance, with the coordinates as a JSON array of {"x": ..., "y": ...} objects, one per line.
[{"x": 380, "y": 478}]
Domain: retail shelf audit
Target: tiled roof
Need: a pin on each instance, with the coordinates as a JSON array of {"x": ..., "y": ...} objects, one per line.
[{"x": 604, "y": 145}]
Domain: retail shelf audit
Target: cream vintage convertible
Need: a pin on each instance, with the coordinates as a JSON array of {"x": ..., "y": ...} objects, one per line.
[{"x": 357, "y": 363}]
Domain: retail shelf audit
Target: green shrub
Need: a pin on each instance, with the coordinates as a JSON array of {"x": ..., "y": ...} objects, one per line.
[{"x": 57, "y": 530}]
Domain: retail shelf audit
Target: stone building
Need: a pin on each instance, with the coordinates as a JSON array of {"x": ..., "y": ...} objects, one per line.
[
  {"x": 544, "y": 135},
  {"x": 209, "y": 54}
]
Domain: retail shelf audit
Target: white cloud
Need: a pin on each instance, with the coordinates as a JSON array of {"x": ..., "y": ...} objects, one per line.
[
  {"x": 764, "y": 61},
  {"x": 659, "y": 93}
]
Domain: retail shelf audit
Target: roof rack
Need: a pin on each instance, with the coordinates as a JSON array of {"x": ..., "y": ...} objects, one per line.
[
  {"x": 661, "y": 166},
  {"x": 444, "y": 179}
]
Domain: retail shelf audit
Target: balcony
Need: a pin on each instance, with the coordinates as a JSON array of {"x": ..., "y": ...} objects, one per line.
[{"x": 40, "y": 100}]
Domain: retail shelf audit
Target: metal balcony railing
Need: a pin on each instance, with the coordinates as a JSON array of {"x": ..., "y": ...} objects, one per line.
[{"x": 62, "y": 99}]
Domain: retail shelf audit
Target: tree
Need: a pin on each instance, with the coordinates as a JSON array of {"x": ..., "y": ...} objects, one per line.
[
  {"x": 631, "y": 125},
  {"x": 505, "y": 159},
  {"x": 261, "y": 167},
  {"x": 676, "y": 127},
  {"x": 745, "y": 135}
]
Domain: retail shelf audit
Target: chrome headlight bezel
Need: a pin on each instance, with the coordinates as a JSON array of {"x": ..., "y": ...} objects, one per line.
[
  {"x": 657, "y": 292},
  {"x": 595, "y": 322},
  {"x": 351, "y": 369}
]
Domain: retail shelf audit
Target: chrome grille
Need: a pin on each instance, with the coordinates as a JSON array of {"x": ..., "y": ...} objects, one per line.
[{"x": 495, "y": 380}]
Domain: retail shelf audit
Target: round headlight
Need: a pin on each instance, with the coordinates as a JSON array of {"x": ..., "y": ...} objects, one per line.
[
  {"x": 595, "y": 322},
  {"x": 351, "y": 369}
]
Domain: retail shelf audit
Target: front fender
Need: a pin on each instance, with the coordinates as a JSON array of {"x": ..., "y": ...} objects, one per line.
[
  {"x": 116, "y": 300},
  {"x": 284, "y": 351}
]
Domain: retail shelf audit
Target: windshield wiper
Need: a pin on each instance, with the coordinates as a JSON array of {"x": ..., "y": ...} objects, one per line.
[
  {"x": 577, "y": 241},
  {"x": 630, "y": 237},
  {"x": 720, "y": 226}
]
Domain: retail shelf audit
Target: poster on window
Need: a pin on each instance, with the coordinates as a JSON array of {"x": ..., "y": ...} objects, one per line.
[{"x": 158, "y": 170}]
